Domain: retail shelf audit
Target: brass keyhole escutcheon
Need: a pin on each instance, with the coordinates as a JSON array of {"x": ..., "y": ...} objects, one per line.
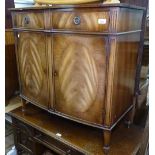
[
  {"x": 77, "y": 20},
  {"x": 26, "y": 20}
]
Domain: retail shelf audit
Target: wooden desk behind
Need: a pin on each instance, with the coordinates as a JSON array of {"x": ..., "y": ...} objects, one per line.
[{"x": 67, "y": 137}]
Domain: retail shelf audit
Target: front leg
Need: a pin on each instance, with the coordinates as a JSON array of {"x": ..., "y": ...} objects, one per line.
[
  {"x": 24, "y": 102},
  {"x": 107, "y": 137},
  {"x": 130, "y": 117}
]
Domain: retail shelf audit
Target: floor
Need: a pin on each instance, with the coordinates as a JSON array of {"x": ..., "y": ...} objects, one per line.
[{"x": 9, "y": 139}]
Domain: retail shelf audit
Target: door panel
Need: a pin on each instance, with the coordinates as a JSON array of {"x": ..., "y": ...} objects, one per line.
[
  {"x": 33, "y": 67},
  {"x": 79, "y": 64}
]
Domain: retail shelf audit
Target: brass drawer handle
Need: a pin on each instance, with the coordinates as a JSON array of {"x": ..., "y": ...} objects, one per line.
[
  {"x": 77, "y": 20},
  {"x": 26, "y": 20}
]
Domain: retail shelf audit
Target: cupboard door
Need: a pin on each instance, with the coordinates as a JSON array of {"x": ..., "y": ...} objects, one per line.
[
  {"x": 33, "y": 62},
  {"x": 79, "y": 69}
]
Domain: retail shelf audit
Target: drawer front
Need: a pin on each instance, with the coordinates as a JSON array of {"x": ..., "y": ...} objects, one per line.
[
  {"x": 82, "y": 21},
  {"x": 55, "y": 145},
  {"x": 28, "y": 20}
]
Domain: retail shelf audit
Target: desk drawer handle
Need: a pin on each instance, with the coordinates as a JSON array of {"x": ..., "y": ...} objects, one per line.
[
  {"x": 77, "y": 20},
  {"x": 38, "y": 136}
]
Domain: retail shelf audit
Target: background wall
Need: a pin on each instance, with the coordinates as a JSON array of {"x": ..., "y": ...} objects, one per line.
[{"x": 23, "y": 3}]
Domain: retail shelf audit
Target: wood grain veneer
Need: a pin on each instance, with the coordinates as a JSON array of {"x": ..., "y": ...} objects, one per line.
[{"x": 121, "y": 73}]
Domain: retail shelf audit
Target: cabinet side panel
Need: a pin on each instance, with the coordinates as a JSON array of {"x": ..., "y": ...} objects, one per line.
[
  {"x": 124, "y": 74},
  {"x": 109, "y": 84},
  {"x": 129, "y": 20}
]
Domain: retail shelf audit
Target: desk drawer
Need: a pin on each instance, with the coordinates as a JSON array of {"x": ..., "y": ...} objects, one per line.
[
  {"x": 28, "y": 20},
  {"x": 22, "y": 127},
  {"x": 55, "y": 145},
  {"x": 81, "y": 21},
  {"x": 23, "y": 135},
  {"x": 24, "y": 141}
]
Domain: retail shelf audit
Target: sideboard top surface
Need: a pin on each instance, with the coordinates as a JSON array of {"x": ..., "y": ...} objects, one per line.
[
  {"x": 84, "y": 138},
  {"x": 97, "y": 5}
]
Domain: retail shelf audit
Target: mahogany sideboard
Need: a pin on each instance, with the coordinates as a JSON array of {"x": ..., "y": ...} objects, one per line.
[{"x": 79, "y": 61}]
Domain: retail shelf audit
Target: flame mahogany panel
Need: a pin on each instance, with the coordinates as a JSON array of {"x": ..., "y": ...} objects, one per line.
[
  {"x": 80, "y": 66},
  {"x": 33, "y": 68}
]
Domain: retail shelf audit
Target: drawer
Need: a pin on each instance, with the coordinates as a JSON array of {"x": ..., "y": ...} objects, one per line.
[
  {"x": 81, "y": 21},
  {"x": 24, "y": 141},
  {"x": 55, "y": 145},
  {"x": 23, "y": 135},
  {"x": 28, "y": 20},
  {"x": 22, "y": 127}
]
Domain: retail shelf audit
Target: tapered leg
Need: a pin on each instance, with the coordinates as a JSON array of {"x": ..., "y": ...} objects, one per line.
[
  {"x": 107, "y": 137},
  {"x": 24, "y": 102},
  {"x": 130, "y": 117}
]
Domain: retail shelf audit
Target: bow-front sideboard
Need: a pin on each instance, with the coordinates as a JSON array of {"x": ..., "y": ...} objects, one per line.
[{"x": 79, "y": 61}]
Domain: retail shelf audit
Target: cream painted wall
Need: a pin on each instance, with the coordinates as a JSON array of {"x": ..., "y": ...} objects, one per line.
[{"x": 23, "y": 3}]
